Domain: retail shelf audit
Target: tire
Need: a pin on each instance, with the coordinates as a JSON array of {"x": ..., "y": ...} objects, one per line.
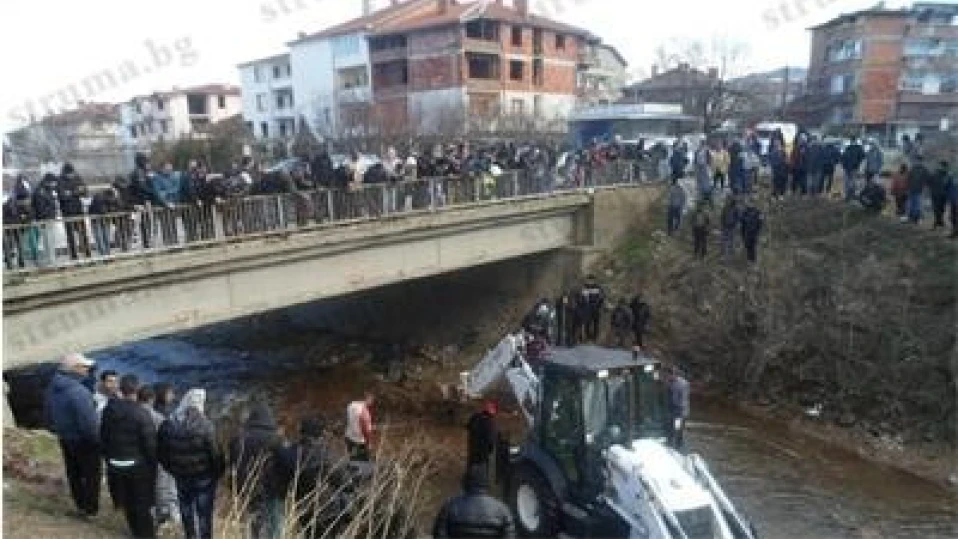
[{"x": 534, "y": 504}]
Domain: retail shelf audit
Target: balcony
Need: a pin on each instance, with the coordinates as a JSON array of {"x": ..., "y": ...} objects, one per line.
[
  {"x": 388, "y": 55},
  {"x": 484, "y": 85},
  {"x": 357, "y": 94},
  {"x": 482, "y": 45}
]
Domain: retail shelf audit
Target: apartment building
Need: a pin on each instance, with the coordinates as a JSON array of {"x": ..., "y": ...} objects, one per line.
[
  {"x": 178, "y": 113},
  {"x": 269, "y": 108},
  {"x": 885, "y": 71},
  {"x": 602, "y": 74},
  {"x": 429, "y": 66}
]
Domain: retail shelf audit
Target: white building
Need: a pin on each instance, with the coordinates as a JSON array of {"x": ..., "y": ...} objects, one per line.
[
  {"x": 90, "y": 137},
  {"x": 179, "y": 113},
  {"x": 269, "y": 108}
]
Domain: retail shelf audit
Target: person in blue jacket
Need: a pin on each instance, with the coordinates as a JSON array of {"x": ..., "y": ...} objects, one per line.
[
  {"x": 71, "y": 416},
  {"x": 167, "y": 185}
]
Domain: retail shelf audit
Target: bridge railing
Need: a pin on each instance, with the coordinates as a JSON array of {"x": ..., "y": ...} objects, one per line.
[{"x": 91, "y": 239}]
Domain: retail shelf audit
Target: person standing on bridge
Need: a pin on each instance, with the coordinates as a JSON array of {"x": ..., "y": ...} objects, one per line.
[
  {"x": 678, "y": 399},
  {"x": 360, "y": 428},
  {"x": 71, "y": 415}
]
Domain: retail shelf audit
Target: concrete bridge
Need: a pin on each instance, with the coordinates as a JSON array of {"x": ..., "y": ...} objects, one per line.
[{"x": 87, "y": 308}]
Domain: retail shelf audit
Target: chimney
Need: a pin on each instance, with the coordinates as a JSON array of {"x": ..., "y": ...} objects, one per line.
[
  {"x": 367, "y": 7},
  {"x": 713, "y": 72},
  {"x": 684, "y": 66},
  {"x": 522, "y": 6}
]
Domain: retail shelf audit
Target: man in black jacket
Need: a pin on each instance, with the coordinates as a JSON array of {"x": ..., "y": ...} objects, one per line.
[
  {"x": 474, "y": 513},
  {"x": 938, "y": 189},
  {"x": 128, "y": 438},
  {"x": 592, "y": 300},
  {"x": 71, "y": 191},
  {"x": 641, "y": 315},
  {"x": 305, "y": 472},
  {"x": 481, "y": 437},
  {"x": 252, "y": 457},
  {"x": 141, "y": 195},
  {"x": 187, "y": 450},
  {"x": 852, "y": 159}
]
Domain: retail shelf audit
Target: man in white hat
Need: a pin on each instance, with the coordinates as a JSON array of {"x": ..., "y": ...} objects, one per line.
[{"x": 71, "y": 415}]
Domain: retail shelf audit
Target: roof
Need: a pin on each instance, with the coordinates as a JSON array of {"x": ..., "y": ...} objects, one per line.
[
  {"x": 278, "y": 56},
  {"x": 493, "y": 11},
  {"x": 675, "y": 77},
  {"x": 225, "y": 89},
  {"x": 615, "y": 52},
  {"x": 422, "y": 14},
  {"x": 916, "y": 9},
  {"x": 85, "y": 112},
  {"x": 592, "y": 359}
]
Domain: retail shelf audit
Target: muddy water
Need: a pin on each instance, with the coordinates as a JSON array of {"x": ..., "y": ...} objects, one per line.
[{"x": 790, "y": 485}]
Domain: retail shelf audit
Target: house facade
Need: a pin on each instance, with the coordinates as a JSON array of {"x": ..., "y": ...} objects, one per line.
[
  {"x": 885, "y": 71},
  {"x": 179, "y": 113},
  {"x": 269, "y": 109}
]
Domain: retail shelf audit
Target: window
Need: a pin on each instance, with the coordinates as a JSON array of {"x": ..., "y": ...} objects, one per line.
[
  {"x": 516, "y": 36},
  {"x": 346, "y": 46},
  {"x": 929, "y": 47},
  {"x": 483, "y": 66},
  {"x": 261, "y": 102},
  {"x": 257, "y": 74},
  {"x": 352, "y": 77},
  {"x": 282, "y": 129},
  {"x": 537, "y": 106},
  {"x": 385, "y": 43},
  {"x": 949, "y": 84},
  {"x": 133, "y": 131},
  {"x": 537, "y": 41},
  {"x": 840, "y": 51},
  {"x": 841, "y": 84},
  {"x": 327, "y": 116},
  {"x": 516, "y": 69},
  {"x": 249, "y": 127},
  {"x": 391, "y": 74},
  {"x": 560, "y": 42},
  {"x": 164, "y": 127},
  {"x": 277, "y": 73},
  {"x": 197, "y": 104},
  {"x": 518, "y": 107},
  {"x": 136, "y": 107},
  {"x": 483, "y": 29},
  {"x": 538, "y": 72},
  {"x": 221, "y": 101},
  {"x": 284, "y": 100},
  {"x": 159, "y": 104},
  {"x": 264, "y": 129}
]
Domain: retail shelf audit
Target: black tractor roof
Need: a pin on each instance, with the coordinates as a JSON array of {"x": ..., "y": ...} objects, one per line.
[{"x": 592, "y": 359}]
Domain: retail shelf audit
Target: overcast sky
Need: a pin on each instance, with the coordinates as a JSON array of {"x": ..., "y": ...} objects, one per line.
[{"x": 51, "y": 44}]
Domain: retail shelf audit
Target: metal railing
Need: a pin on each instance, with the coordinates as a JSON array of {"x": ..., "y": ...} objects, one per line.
[{"x": 90, "y": 239}]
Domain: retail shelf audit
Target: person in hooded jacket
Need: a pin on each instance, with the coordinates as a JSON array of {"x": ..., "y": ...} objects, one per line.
[
  {"x": 474, "y": 513},
  {"x": 72, "y": 190},
  {"x": 71, "y": 415},
  {"x": 166, "y": 508},
  {"x": 252, "y": 463},
  {"x": 128, "y": 438},
  {"x": 188, "y": 450},
  {"x": 306, "y": 473}
]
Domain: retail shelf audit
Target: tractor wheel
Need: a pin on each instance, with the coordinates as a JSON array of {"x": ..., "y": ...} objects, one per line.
[{"x": 534, "y": 504}]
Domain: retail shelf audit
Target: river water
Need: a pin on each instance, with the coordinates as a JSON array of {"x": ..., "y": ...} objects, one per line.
[{"x": 791, "y": 486}]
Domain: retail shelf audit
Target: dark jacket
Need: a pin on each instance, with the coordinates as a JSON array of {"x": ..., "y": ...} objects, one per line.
[
  {"x": 751, "y": 222},
  {"x": 196, "y": 188},
  {"x": 253, "y": 453},
  {"x": 302, "y": 469},
  {"x": 815, "y": 157},
  {"x": 127, "y": 432},
  {"x": 105, "y": 203},
  {"x": 918, "y": 178},
  {"x": 187, "y": 449},
  {"x": 168, "y": 187},
  {"x": 622, "y": 318},
  {"x": 70, "y": 409},
  {"x": 731, "y": 215},
  {"x": 641, "y": 313},
  {"x": 140, "y": 190},
  {"x": 481, "y": 440},
  {"x": 831, "y": 156},
  {"x": 853, "y": 156},
  {"x": 45, "y": 198},
  {"x": 474, "y": 514},
  {"x": 72, "y": 189},
  {"x": 778, "y": 161},
  {"x": 593, "y": 297},
  {"x": 938, "y": 184}
]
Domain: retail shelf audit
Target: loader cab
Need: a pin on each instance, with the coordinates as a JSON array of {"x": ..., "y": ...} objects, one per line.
[{"x": 593, "y": 398}]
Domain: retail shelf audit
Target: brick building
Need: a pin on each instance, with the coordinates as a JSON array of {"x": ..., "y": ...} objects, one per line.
[
  {"x": 436, "y": 66},
  {"x": 884, "y": 71}
]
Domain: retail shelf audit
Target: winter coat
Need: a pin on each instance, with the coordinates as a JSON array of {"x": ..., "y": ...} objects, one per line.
[
  {"x": 831, "y": 156},
  {"x": 938, "y": 184},
  {"x": 918, "y": 178},
  {"x": 481, "y": 439},
  {"x": 253, "y": 454},
  {"x": 815, "y": 158},
  {"x": 127, "y": 432},
  {"x": 677, "y": 196},
  {"x": 778, "y": 161},
  {"x": 70, "y": 409},
  {"x": 622, "y": 318},
  {"x": 641, "y": 313},
  {"x": 899, "y": 185},
  {"x": 105, "y": 203},
  {"x": 71, "y": 191},
  {"x": 168, "y": 187},
  {"x": 678, "y": 162},
  {"x": 730, "y": 216},
  {"x": 700, "y": 219},
  {"x": 196, "y": 188},
  {"x": 187, "y": 449},
  {"x": 853, "y": 156},
  {"x": 874, "y": 160},
  {"x": 594, "y": 297},
  {"x": 44, "y": 204},
  {"x": 165, "y": 483},
  {"x": 751, "y": 222},
  {"x": 474, "y": 514}
]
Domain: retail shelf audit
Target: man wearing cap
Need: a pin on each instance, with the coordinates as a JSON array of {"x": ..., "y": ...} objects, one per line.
[{"x": 71, "y": 415}]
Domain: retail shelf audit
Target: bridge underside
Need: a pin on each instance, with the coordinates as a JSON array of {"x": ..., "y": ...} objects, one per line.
[{"x": 91, "y": 308}]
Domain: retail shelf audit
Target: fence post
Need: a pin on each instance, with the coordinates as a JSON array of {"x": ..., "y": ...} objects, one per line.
[
  {"x": 281, "y": 208},
  {"x": 515, "y": 185},
  {"x": 217, "y": 223},
  {"x": 154, "y": 233},
  {"x": 432, "y": 194},
  {"x": 329, "y": 204}
]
